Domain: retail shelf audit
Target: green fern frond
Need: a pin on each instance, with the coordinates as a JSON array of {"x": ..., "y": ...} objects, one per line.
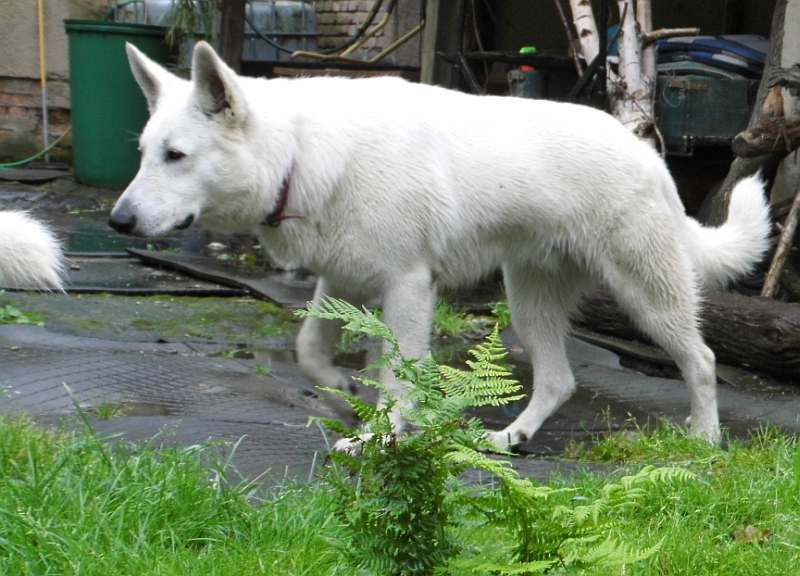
[
  {"x": 610, "y": 552},
  {"x": 524, "y": 568},
  {"x": 355, "y": 320},
  {"x": 479, "y": 388},
  {"x": 371, "y": 383},
  {"x": 365, "y": 411},
  {"x": 334, "y": 425},
  {"x": 491, "y": 350}
]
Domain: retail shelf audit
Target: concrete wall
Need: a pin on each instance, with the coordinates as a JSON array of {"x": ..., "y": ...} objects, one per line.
[{"x": 20, "y": 98}]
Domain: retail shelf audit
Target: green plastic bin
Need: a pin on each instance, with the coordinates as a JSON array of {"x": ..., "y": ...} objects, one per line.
[{"x": 108, "y": 109}]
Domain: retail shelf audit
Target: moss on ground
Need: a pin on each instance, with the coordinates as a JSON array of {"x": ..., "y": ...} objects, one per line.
[{"x": 171, "y": 318}]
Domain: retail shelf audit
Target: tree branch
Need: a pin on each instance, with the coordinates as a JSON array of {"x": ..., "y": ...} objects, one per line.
[
  {"x": 782, "y": 251},
  {"x": 655, "y": 35}
]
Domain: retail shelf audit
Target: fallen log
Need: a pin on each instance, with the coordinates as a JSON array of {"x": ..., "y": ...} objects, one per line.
[
  {"x": 752, "y": 332},
  {"x": 767, "y": 136}
]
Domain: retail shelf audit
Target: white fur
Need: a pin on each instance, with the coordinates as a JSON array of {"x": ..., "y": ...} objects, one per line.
[
  {"x": 730, "y": 251},
  {"x": 30, "y": 255},
  {"x": 403, "y": 188}
]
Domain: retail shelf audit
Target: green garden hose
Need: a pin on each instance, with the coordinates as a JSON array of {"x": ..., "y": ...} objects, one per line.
[{"x": 7, "y": 165}]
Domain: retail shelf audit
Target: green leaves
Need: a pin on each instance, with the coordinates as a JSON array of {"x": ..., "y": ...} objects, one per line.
[{"x": 12, "y": 315}]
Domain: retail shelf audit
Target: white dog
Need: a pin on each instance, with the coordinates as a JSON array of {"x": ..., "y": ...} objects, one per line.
[
  {"x": 30, "y": 255},
  {"x": 388, "y": 189}
]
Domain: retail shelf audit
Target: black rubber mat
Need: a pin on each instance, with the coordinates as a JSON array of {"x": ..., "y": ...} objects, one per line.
[
  {"x": 177, "y": 396},
  {"x": 109, "y": 273},
  {"x": 286, "y": 288}
]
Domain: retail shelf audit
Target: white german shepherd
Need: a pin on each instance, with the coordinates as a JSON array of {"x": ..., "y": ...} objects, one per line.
[
  {"x": 30, "y": 254},
  {"x": 388, "y": 190}
]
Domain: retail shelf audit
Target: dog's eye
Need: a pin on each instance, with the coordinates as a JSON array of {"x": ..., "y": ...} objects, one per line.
[{"x": 174, "y": 155}]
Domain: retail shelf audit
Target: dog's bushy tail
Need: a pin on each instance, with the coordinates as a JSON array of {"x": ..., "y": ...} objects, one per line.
[
  {"x": 730, "y": 251},
  {"x": 30, "y": 254}
]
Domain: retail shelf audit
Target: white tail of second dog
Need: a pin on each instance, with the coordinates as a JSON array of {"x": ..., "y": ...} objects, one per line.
[{"x": 30, "y": 254}]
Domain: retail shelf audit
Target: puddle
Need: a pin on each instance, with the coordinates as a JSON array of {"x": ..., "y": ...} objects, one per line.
[
  {"x": 93, "y": 235},
  {"x": 267, "y": 356},
  {"x": 131, "y": 409}
]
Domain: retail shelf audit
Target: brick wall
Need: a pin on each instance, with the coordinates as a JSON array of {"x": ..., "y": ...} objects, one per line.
[
  {"x": 339, "y": 19},
  {"x": 21, "y": 117}
]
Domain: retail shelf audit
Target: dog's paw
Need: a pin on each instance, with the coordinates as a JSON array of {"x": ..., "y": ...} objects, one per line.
[
  {"x": 708, "y": 431},
  {"x": 352, "y": 446},
  {"x": 500, "y": 440}
]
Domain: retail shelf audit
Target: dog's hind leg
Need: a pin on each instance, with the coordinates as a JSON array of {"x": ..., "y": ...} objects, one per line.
[
  {"x": 541, "y": 302},
  {"x": 653, "y": 282}
]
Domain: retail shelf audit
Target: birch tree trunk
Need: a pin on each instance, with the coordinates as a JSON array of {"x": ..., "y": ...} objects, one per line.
[
  {"x": 583, "y": 18},
  {"x": 631, "y": 94},
  {"x": 630, "y": 89},
  {"x": 644, "y": 17}
]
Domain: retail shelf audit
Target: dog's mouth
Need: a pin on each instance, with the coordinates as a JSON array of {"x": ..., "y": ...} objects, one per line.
[{"x": 188, "y": 221}]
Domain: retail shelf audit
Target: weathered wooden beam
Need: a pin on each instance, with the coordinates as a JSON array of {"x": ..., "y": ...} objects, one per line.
[
  {"x": 753, "y": 332},
  {"x": 231, "y": 31},
  {"x": 661, "y": 33},
  {"x": 767, "y": 136},
  {"x": 442, "y": 35}
]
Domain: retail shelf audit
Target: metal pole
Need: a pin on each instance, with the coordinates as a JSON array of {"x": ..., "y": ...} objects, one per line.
[{"x": 43, "y": 76}]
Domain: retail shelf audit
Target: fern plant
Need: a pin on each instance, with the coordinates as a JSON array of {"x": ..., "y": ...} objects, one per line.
[
  {"x": 399, "y": 498},
  {"x": 553, "y": 529},
  {"x": 395, "y": 498}
]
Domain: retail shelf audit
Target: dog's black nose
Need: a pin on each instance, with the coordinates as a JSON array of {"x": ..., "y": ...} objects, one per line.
[{"x": 122, "y": 220}]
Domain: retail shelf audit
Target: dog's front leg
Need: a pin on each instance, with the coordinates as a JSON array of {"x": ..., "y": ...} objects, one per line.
[
  {"x": 317, "y": 341},
  {"x": 408, "y": 303}
]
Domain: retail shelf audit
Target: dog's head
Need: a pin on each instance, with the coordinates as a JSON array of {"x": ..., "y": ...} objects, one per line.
[{"x": 197, "y": 161}]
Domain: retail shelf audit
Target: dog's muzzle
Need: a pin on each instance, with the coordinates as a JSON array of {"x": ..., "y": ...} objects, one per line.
[{"x": 122, "y": 219}]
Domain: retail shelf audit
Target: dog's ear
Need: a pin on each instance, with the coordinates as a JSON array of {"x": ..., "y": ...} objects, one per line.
[
  {"x": 150, "y": 76},
  {"x": 216, "y": 85}
]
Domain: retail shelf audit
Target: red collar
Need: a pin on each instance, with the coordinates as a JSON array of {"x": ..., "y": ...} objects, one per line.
[{"x": 274, "y": 218}]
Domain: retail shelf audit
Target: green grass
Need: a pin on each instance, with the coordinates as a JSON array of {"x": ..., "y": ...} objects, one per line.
[
  {"x": 109, "y": 411},
  {"x": 72, "y": 504},
  {"x": 741, "y": 518},
  {"x": 264, "y": 370},
  {"x": 447, "y": 321}
]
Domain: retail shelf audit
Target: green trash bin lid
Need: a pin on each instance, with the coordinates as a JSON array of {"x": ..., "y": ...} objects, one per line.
[{"x": 125, "y": 28}]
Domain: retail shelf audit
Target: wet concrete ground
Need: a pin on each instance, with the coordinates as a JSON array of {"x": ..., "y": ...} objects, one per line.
[{"x": 216, "y": 363}]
